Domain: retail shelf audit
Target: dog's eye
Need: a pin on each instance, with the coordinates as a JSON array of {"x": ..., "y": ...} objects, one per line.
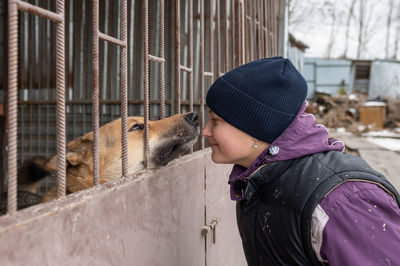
[{"x": 136, "y": 127}]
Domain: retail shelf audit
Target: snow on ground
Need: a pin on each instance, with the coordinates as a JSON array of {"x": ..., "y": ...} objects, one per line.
[
  {"x": 382, "y": 133},
  {"x": 387, "y": 143}
]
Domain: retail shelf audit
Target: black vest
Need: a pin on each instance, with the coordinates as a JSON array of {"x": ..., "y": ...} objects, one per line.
[{"x": 275, "y": 219}]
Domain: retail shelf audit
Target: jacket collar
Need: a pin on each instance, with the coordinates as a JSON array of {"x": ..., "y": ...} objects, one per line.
[{"x": 302, "y": 137}]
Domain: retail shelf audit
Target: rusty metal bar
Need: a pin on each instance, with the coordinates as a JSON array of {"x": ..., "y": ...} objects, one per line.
[
  {"x": 242, "y": 31},
  {"x": 95, "y": 93},
  {"x": 178, "y": 57},
  {"x": 233, "y": 27},
  {"x": 186, "y": 69},
  {"x": 124, "y": 87},
  {"x": 111, "y": 39},
  {"x": 202, "y": 73},
  {"x": 41, "y": 12},
  {"x": 212, "y": 38},
  {"x": 218, "y": 27},
  {"x": 156, "y": 59},
  {"x": 12, "y": 105},
  {"x": 103, "y": 102},
  {"x": 226, "y": 37},
  {"x": 274, "y": 29},
  {"x": 162, "y": 56},
  {"x": 60, "y": 84},
  {"x": 146, "y": 81},
  {"x": 261, "y": 19},
  {"x": 191, "y": 55},
  {"x": 269, "y": 14}
]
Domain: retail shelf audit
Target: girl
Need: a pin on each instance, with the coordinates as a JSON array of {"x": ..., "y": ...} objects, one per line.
[{"x": 300, "y": 199}]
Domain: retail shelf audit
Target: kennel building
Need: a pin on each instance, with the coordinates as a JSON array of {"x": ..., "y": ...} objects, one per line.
[{"x": 73, "y": 66}]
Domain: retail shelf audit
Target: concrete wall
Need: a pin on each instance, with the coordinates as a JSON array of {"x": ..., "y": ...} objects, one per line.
[{"x": 152, "y": 218}]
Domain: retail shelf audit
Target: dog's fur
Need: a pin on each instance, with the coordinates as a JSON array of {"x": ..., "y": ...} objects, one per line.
[{"x": 168, "y": 138}]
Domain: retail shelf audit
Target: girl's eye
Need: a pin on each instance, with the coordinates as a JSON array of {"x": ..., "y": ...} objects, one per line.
[{"x": 136, "y": 127}]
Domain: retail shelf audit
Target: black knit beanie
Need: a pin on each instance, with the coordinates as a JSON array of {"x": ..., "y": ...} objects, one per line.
[{"x": 260, "y": 98}]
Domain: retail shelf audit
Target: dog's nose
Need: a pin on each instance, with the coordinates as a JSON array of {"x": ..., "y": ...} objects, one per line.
[{"x": 192, "y": 118}]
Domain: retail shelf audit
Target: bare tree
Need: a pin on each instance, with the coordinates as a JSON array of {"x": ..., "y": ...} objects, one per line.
[
  {"x": 348, "y": 23},
  {"x": 388, "y": 27},
  {"x": 397, "y": 36},
  {"x": 361, "y": 28},
  {"x": 369, "y": 24},
  {"x": 300, "y": 12},
  {"x": 331, "y": 8}
]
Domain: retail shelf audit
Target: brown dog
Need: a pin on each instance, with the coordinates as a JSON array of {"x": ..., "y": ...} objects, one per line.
[{"x": 168, "y": 138}]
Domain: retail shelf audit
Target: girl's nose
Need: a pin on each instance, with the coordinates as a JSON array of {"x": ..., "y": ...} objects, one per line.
[{"x": 205, "y": 132}]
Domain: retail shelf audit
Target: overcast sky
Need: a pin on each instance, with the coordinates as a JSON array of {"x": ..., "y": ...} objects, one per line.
[{"x": 314, "y": 29}]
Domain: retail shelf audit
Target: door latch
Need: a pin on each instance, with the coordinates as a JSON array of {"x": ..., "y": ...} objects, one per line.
[{"x": 211, "y": 227}]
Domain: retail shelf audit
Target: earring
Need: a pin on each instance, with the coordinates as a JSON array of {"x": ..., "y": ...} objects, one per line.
[{"x": 255, "y": 145}]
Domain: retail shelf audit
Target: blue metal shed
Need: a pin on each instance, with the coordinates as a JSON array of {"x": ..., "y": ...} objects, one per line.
[{"x": 327, "y": 76}]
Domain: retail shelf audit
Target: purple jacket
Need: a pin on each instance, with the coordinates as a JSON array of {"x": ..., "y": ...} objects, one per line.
[{"x": 357, "y": 223}]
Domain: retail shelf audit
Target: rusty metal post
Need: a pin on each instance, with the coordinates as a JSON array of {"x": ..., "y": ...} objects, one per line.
[
  {"x": 124, "y": 87},
  {"x": 162, "y": 55},
  {"x": 178, "y": 57},
  {"x": 95, "y": 93},
  {"x": 191, "y": 55},
  {"x": 12, "y": 105},
  {"x": 201, "y": 66},
  {"x": 211, "y": 72},
  {"x": 146, "y": 81},
  {"x": 226, "y": 54},
  {"x": 274, "y": 28},
  {"x": 218, "y": 28},
  {"x": 61, "y": 143}
]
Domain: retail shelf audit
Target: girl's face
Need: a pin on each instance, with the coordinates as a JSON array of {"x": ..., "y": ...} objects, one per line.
[{"x": 230, "y": 145}]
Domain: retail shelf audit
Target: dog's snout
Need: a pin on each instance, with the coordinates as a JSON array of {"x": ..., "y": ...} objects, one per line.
[{"x": 192, "y": 118}]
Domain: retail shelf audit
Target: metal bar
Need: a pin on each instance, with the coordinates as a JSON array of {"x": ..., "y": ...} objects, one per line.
[
  {"x": 95, "y": 92},
  {"x": 218, "y": 27},
  {"x": 226, "y": 37},
  {"x": 269, "y": 14},
  {"x": 124, "y": 88},
  {"x": 242, "y": 30},
  {"x": 261, "y": 31},
  {"x": 162, "y": 56},
  {"x": 208, "y": 74},
  {"x": 274, "y": 29},
  {"x": 253, "y": 29},
  {"x": 186, "y": 69},
  {"x": 108, "y": 38},
  {"x": 202, "y": 73},
  {"x": 233, "y": 27},
  {"x": 191, "y": 55},
  {"x": 41, "y": 12},
  {"x": 146, "y": 81},
  {"x": 156, "y": 59},
  {"x": 258, "y": 30},
  {"x": 60, "y": 84},
  {"x": 212, "y": 37},
  {"x": 12, "y": 105},
  {"x": 178, "y": 57}
]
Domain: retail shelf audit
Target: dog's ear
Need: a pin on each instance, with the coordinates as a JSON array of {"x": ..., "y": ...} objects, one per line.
[
  {"x": 73, "y": 158},
  {"x": 74, "y": 154},
  {"x": 87, "y": 138}
]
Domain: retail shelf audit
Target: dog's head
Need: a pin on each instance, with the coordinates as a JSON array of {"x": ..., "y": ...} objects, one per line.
[{"x": 168, "y": 138}]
